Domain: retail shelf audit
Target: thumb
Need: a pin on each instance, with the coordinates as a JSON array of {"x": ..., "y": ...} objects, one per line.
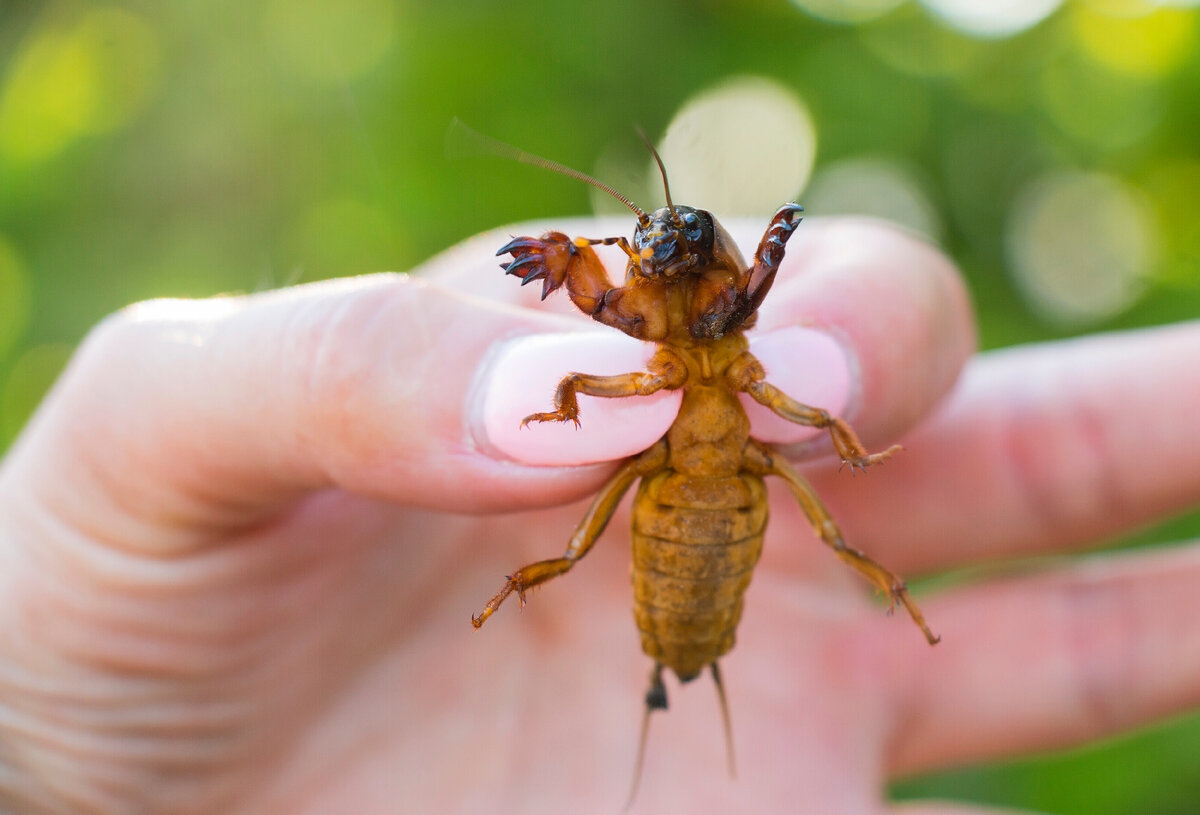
[{"x": 217, "y": 413}]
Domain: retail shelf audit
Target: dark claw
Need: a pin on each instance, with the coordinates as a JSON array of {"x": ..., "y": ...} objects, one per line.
[
  {"x": 518, "y": 243},
  {"x": 793, "y": 211},
  {"x": 534, "y": 275},
  {"x": 521, "y": 263}
]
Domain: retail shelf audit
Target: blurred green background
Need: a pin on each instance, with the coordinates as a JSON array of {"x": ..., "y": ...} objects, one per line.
[{"x": 153, "y": 149}]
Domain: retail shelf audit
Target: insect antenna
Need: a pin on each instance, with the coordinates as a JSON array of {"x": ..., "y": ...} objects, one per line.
[
  {"x": 662, "y": 170},
  {"x": 460, "y": 138}
]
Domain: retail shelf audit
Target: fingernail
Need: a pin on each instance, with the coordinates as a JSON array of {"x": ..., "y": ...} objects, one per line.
[
  {"x": 522, "y": 374},
  {"x": 808, "y": 365},
  {"x": 521, "y": 379}
]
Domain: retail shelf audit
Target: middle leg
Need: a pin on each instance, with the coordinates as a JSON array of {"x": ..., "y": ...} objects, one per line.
[{"x": 746, "y": 374}]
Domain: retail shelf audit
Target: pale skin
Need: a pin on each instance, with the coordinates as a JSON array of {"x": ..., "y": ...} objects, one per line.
[{"x": 242, "y": 540}]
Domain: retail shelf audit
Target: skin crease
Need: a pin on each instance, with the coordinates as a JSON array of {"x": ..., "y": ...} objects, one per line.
[{"x": 242, "y": 540}]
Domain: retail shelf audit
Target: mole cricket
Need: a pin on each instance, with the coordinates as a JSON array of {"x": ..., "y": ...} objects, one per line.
[{"x": 700, "y": 509}]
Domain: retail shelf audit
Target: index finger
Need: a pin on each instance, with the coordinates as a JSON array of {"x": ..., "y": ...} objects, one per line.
[{"x": 1043, "y": 447}]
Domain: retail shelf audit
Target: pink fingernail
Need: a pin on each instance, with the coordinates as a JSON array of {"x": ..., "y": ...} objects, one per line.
[
  {"x": 808, "y": 365},
  {"x": 522, "y": 378}
]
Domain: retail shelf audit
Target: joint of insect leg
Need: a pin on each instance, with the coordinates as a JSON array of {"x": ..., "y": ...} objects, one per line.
[
  {"x": 757, "y": 460},
  {"x": 649, "y": 383},
  {"x": 746, "y": 374},
  {"x": 653, "y": 460},
  {"x": 898, "y": 592},
  {"x": 832, "y": 534}
]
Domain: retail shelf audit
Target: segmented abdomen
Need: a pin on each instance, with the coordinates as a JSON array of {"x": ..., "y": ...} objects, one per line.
[{"x": 696, "y": 540}]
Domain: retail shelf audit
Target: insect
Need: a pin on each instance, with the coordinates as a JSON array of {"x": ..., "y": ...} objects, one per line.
[{"x": 701, "y": 504}]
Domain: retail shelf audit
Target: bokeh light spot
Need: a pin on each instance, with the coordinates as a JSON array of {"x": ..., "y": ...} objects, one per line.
[
  {"x": 27, "y": 384},
  {"x": 908, "y": 42},
  {"x": 330, "y": 42},
  {"x": 741, "y": 148},
  {"x": 91, "y": 76},
  {"x": 1096, "y": 106},
  {"x": 995, "y": 18},
  {"x": 1149, "y": 44},
  {"x": 847, "y": 11},
  {"x": 14, "y": 296},
  {"x": 1081, "y": 246},
  {"x": 877, "y": 187}
]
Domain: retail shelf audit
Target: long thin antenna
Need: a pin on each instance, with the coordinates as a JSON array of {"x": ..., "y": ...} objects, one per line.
[
  {"x": 459, "y": 138},
  {"x": 661, "y": 169}
]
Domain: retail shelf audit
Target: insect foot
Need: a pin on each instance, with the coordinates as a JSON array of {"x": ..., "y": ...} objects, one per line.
[
  {"x": 864, "y": 461},
  {"x": 546, "y": 258},
  {"x": 511, "y": 583},
  {"x": 565, "y": 403},
  {"x": 899, "y": 594},
  {"x": 524, "y": 579},
  {"x": 564, "y": 415}
]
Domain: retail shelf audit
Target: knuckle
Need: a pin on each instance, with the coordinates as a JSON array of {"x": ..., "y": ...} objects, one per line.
[
  {"x": 1041, "y": 441},
  {"x": 340, "y": 356},
  {"x": 1101, "y": 628}
]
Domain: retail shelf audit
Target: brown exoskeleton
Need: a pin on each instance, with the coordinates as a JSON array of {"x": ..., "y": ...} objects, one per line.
[{"x": 701, "y": 506}]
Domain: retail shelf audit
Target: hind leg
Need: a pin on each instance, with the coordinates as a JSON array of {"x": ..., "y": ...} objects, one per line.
[{"x": 889, "y": 584}]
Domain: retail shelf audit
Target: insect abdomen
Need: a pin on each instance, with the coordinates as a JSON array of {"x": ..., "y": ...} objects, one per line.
[{"x": 696, "y": 541}]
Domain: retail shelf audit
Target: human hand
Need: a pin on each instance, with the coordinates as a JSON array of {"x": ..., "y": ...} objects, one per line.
[{"x": 243, "y": 537}]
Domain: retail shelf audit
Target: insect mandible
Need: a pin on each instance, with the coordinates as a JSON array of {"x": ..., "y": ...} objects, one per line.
[{"x": 701, "y": 506}]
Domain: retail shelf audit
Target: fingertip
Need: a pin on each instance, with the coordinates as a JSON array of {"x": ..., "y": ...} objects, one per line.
[
  {"x": 810, "y": 366},
  {"x": 519, "y": 378},
  {"x": 896, "y": 303}
]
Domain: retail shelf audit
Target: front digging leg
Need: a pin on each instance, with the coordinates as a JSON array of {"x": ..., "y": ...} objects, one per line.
[{"x": 769, "y": 254}]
